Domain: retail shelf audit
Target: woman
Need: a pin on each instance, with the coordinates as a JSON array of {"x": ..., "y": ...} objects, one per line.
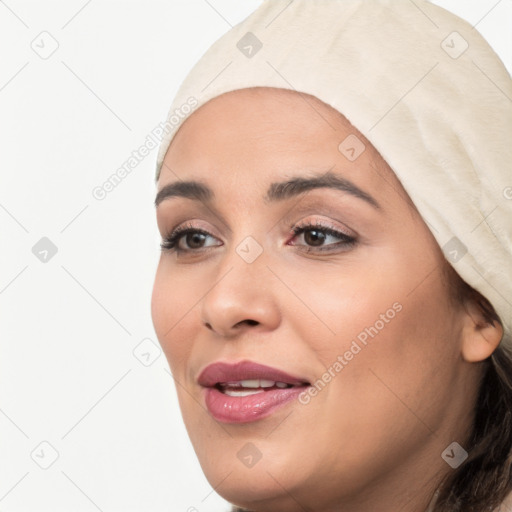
[{"x": 335, "y": 286}]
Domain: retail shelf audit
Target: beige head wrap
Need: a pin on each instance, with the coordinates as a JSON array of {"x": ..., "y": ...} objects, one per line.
[{"x": 419, "y": 83}]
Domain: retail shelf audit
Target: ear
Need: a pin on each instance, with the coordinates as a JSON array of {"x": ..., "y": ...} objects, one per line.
[{"x": 479, "y": 338}]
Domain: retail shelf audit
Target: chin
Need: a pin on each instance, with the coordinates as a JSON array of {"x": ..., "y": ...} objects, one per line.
[{"x": 263, "y": 485}]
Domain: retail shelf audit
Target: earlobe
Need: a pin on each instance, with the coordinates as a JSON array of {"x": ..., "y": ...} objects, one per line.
[{"x": 480, "y": 338}]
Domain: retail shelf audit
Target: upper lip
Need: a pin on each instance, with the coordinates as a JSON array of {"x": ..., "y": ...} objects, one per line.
[{"x": 220, "y": 372}]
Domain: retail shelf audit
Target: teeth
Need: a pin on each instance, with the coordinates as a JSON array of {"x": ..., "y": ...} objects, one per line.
[
  {"x": 252, "y": 384},
  {"x": 232, "y": 392},
  {"x": 266, "y": 383},
  {"x": 256, "y": 383}
]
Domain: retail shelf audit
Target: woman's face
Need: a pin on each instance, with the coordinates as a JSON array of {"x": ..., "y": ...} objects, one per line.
[{"x": 363, "y": 311}]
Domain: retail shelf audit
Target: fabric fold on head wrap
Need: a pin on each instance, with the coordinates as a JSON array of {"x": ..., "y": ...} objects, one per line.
[{"x": 421, "y": 84}]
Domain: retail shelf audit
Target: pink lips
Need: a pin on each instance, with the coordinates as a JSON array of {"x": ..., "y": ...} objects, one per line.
[{"x": 243, "y": 409}]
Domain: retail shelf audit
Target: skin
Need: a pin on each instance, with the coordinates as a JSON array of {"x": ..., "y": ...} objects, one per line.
[{"x": 372, "y": 438}]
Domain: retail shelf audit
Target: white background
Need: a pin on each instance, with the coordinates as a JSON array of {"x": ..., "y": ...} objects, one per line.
[{"x": 68, "y": 327}]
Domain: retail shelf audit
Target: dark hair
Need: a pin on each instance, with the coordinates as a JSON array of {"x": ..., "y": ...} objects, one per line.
[{"x": 483, "y": 481}]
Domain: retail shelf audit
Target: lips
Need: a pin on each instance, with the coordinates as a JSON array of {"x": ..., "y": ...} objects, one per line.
[
  {"x": 225, "y": 373},
  {"x": 247, "y": 391}
]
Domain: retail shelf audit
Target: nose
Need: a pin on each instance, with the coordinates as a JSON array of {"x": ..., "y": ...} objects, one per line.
[{"x": 242, "y": 297}]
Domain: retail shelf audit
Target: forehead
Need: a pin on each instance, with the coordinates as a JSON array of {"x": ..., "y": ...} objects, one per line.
[
  {"x": 280, "y": 116},
  {"x": 260, "y": 134}
]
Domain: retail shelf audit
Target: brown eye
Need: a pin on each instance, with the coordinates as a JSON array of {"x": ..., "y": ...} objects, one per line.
[
  {"x": 194, "y": 240},
  {"x": 315, "y": 236}
]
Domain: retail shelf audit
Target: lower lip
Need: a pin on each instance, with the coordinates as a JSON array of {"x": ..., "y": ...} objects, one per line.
[{"x": 244, "y": 409}]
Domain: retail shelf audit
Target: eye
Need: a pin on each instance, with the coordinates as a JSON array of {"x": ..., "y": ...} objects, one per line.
[
  {"x": 316, "y": 234},
  {"x": 192, "y": 236}
]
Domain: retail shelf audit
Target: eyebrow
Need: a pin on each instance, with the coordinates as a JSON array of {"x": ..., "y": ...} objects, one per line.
[{"x": 278, "y": 191}]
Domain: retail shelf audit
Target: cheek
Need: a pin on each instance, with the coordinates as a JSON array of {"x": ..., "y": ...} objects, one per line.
[
  {"x": 173, "y": 314},
  {"x": 160, "y": 303},
  {"x": 395, "y": 374},
  {"x": 347, "y": 302},
  {"x": 399, "y": 349},
  {"x": 392, "y": 325}
]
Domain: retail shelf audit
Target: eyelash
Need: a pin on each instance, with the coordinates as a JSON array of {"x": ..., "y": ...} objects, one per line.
[{"x": 170, "y": 242}]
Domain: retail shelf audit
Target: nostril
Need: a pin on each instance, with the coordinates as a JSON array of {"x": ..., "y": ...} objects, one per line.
[{"x": 250, "y": 322}]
